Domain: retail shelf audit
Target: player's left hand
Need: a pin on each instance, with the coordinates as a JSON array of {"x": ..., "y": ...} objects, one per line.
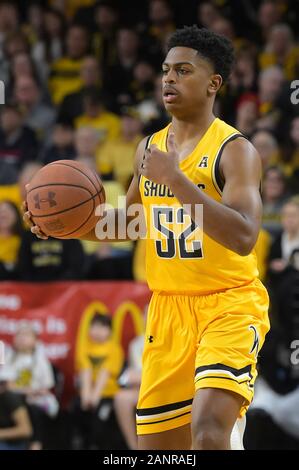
[{"x": 161, "y": 167}]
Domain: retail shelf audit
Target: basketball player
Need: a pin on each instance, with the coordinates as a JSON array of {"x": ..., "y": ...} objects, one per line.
[{"x": 208, "y": 317}]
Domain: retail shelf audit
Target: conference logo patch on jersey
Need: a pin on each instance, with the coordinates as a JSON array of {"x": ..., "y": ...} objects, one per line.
[{"x": 203, "y": 162}]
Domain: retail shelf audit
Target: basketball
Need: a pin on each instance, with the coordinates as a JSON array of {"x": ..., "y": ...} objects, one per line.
[{"x": 62, "y": 198}]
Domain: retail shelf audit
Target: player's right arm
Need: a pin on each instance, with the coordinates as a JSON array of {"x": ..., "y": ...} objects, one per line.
[{"x": 112, "y": 216}]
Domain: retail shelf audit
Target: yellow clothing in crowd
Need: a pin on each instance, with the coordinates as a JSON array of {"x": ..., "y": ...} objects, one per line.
[
  {"x": 117, "y": 156},
  {"x": 9, "y": 248},
  {"x": 102, "y": 356},
  {"x": 71, "y": 6},
  {"x": 106, "y": 124},
  {"x": 64, "y": 78},
  {"x": 113, "y": 190},
  {"x": 292, "y": 165},
  {"x": 11, "y": 193},
  {"x": 267, "y": 59},
  {"x": 262, "y": 249}
]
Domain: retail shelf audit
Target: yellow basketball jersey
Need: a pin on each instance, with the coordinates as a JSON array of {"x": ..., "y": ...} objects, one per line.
[{"x": 179, "y": 258}]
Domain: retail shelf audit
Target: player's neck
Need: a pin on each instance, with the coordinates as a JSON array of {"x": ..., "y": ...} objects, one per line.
[{"x": 186, "y": 130}]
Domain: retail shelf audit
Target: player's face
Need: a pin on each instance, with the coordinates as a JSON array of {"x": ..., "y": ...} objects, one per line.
[{"x": 188, "y": 81}]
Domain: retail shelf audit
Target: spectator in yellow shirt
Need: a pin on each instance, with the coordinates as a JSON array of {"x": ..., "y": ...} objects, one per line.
[
  {"x": 111, "y": 260},
  {"x": 72, "y": 104},
  {"x": 267, "y": 146},
  {"x": 65, "y": 72},
  {"x": 281, "y": 50},
  {"x": 117, "y": 156},
  {"x": 99, "y": 363},
  {"x": 95, "y": 115},
  {"x": 10, "y": 239}
]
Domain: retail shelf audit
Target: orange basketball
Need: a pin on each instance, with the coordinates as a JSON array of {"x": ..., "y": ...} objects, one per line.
[{"x": 62, "y": 198}]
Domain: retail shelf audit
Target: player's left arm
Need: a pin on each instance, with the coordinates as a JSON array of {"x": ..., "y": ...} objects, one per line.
[
  {"x": 235, "y": 221},
  {"x": 241, "y": 170}
]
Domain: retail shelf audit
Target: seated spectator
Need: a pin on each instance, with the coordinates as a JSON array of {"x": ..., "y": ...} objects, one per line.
[
  {"x": 268, "y": 15},
  {"x": 242, "y": 82},
  {"x": 65, "y": 72},
  {"x": 281, "y": 50},
  {"x": 33, "y": 23},
  {"x": 274, "y": 195},
  {"x": 152, "y": 111},
  {"x": 10, "y": 192},
  {"x": 287, "y": 242},
  {"x": 161, "y": 21},
  {"x": 207, "y": 13},
  {"x": 10, "y": 239},
  {"x": 15, "y": 424},
  {"x": 18, "y": 143},
  {"x": 14, "y": 43},
  {"x": 291, "y": 154},
  {"x": 25, "y": 176},
  {"x": 16, "y": 193},
  {"x": 126, "y": 399},
  {"x": 38, "y": 115},
  {"x": 99, "y": 363},
  {"x": 108, "y": 260},
  {"x": 22, "y": 65},
  {"x": 117, "y": 156},
  {"x": 49, "y": 260},
  {"x": 86, "y": 144},
  {"x": 32, "y": 377},
  {"x": 104, "y": 36},
  {"x": 225, "y": 27},
  {"x": 49, "y": 45},
  {"x": 72, "y": 104},
  {"x": 277, "y": 388},
  {"x": 142, "y": 85},
  {"x": 270, "y": 84},
  {"x": 119, "y": 77},
  {"x": 73, "y": 8},
  {"x": 95, "y": 115},
  {"x": 9, "y": 22},
  {"x": 61, "y": 147},
  {"x": 247, "y": 114},
  {"x": 267, "y": 146}
]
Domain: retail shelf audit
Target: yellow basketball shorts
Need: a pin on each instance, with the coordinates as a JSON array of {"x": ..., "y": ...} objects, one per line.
[{"x": 195, "y": 342}]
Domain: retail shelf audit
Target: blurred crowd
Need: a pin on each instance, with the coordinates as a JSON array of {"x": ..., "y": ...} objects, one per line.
[{"x": 83, "y": 81}]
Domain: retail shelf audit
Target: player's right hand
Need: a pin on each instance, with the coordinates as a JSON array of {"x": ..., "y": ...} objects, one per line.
[{"x": 28, "y": 221}]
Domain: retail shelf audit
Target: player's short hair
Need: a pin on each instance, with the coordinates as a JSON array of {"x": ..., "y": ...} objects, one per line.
[{"x": 217, "y": 49}]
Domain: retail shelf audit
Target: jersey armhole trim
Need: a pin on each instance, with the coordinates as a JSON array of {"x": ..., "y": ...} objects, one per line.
[
  {"x": 148, "y": 142},
  {"x": 216, "y": 176}
]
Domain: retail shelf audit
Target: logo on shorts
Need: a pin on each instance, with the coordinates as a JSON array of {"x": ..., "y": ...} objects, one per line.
[
  {"x": 150, "y": 339},
  {"x": 256, "y": 341}
]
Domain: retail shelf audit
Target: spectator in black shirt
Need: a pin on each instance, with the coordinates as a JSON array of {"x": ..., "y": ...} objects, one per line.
[
  {"x": 61, "y": 147},
  {"x": 50, "y": 260},
  {"x": 119, "y": 78},
  {"x": 10, "y": 236},
  {"x": 72, "y": 104},
  {"x": 18, "y": 143},
  {"x": 15, "y": 426}
]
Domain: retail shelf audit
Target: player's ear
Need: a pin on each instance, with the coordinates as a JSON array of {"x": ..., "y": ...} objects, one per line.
[{"x": 214, "y": 84}]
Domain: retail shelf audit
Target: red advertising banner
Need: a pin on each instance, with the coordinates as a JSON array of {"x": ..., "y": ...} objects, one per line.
[{"x": 61, "y": 311}]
